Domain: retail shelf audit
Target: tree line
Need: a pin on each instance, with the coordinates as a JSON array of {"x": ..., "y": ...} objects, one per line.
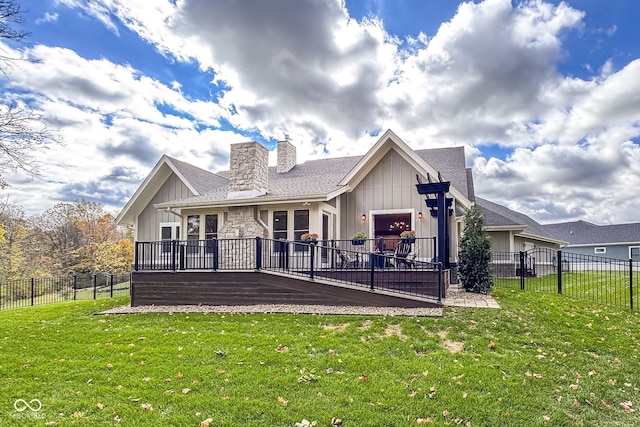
[{"x": 69, "y": 238}]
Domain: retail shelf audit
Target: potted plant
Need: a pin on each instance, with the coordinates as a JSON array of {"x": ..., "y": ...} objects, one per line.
[
  {"x": 408, "y": 235},
  {"x": 311, "y": 238},
  {"x": 358, "y": 238}
]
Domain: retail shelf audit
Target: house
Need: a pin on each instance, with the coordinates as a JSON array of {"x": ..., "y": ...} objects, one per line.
[
  {"x": 617, "y": 241},
  {"x": 511, "y": 231},
  {"x": 334, "y": 198}
]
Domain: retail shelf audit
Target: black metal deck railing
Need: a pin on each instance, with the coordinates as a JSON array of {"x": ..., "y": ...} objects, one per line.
[{"x": 402, "y": 270}]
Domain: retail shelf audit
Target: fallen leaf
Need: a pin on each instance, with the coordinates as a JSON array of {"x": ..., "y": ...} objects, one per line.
[
  {"x": 206, "y": 422},
  {"x": 147, "y": 406},
  {"x": 606, "y": 404},
  {"x": 445, "y": 413},
  {"x": 424, "y": 420},
  {"x": 179, "y": 375},
  {"x": 363, "y": 378},
  {"x": 186, "y": 390},
  {"x": 100, "y": 406},
  {"x": 147, "y": 379},
  {"x": 491, "y": 345},
  {"x": 282, "y": 401}
]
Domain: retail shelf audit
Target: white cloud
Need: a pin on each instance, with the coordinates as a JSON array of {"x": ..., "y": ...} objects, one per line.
[{"x": 48, "y": 17}]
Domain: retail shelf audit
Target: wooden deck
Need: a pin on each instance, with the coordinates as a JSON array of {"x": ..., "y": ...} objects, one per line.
[{"x": 264, "y": 287}]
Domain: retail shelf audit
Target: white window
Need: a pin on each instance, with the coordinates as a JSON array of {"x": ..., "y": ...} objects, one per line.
[
  {"x": 600, "y": 250},
  {"x": 634, "y": 253},
  {"x": 169, "y": 231}
]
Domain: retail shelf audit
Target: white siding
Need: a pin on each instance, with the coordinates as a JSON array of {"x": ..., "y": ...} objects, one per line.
[{"x": 150, "y": 218}]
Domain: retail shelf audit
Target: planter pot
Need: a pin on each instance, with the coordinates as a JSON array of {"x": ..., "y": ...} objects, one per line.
[{"x": 357, "y": 242}]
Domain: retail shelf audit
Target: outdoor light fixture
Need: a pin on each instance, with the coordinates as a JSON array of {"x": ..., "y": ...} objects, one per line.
[
  {"x": 363, "y": 217},
  {"x": 419, "y": 215}
]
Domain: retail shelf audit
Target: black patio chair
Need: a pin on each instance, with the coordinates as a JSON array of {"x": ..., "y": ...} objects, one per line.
[
  {"x": 401, "y": 255},
  {"x": 346, "y": 260}
]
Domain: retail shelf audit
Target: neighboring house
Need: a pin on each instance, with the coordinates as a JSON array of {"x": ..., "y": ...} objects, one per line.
[
  {"x": 512, "y": 231},
  {"x": 618, "y": 241},
  {"x": 334, "y": 197}
]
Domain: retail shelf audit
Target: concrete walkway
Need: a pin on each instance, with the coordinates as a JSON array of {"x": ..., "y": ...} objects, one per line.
[{"x": 460, "y": 298}]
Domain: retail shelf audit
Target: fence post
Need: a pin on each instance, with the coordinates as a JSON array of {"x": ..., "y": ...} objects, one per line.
[
  {"x": 181, "y": 263},
  {"x": 372, "y": 272},
  {"x": 95, "y": 286},
  {"x": 111, "y": 284},
  {"x": 312, "y": 249},
  {"x": 560, "y": 272},
  {"x": 440, "y": 273},
  {"x": 258, "y": 252},
  {"x": 75, "y": 286},
  {"x": 174, "y": 254},
  {"x": 33, "y": 290},
  {"x": 435, "y": 248},
  {"x": 215, "y": 254},
  {"x": 135, "y": 256},
  {"x": 631, "y": 282},
  {"x": 522, "y": 270}
]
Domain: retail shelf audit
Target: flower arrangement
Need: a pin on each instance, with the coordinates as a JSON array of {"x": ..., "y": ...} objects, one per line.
[
  {"x": 358, "y": 238},
  {"x": 360, "y": 235},
  {"x": 408, "y": 234},
  {"x": 309, "y": 237}
]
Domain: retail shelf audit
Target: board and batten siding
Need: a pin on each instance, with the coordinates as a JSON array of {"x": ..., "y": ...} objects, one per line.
[
  {"x": 500, "y": 241},
  {"x": 150, "y": 218},
  {"x": 390, "y": 185}
]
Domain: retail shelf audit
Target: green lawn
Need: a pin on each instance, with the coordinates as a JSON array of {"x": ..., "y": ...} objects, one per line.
[
  {"x": 605, "y": 287},
  {"x": 542, "y": 360}
]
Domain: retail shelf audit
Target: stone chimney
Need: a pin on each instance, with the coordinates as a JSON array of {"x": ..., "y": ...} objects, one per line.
[
  {"x": 286, "y": 156},
  {"x": 248, "y": 170}
]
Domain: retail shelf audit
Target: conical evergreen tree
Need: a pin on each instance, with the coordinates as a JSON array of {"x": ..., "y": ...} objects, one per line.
[{"x": 474, "y": 265}]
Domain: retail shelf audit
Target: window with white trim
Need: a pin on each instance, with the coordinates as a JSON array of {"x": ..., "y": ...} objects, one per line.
[
  {"x": 634, "y": 253},
  {"x": 193, "y": 233},
  {"x": 169, "y": 231},
  {"x": 600, "y": 250},
  {"x": 210, "y": 232}
]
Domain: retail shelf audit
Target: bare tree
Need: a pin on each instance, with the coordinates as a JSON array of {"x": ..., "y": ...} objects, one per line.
[{"x": 22, "y": 132}]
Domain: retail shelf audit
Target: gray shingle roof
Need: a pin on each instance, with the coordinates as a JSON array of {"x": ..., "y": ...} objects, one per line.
[
  {"x": 202, "y": 180},
  {"x": 586, "y": 233},
  {"x": 319, "y": 177},
  {"x": 450, "y": 162},
  {"x": 497, "y": 215}
]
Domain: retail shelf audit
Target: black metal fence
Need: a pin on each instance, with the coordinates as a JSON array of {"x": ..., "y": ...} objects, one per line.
[
  {"x": 598, "y": 279},
  {"x": 37, "y": 291},
  {"x": 400, "y": 270}
]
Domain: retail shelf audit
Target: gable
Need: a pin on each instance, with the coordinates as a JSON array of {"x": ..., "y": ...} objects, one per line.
[
  {"x": 165, "y": 168},
  {"x": 390, "y": 141}
]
